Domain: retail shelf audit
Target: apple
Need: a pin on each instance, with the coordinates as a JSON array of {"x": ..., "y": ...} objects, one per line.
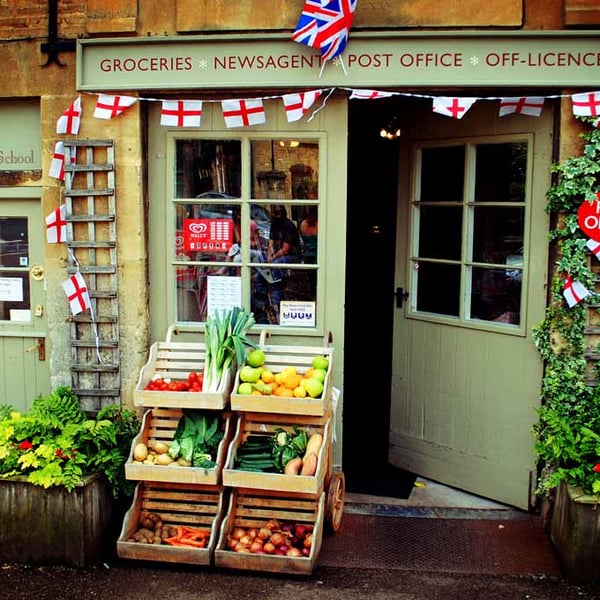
[
  {"x": 245, "y": 388},
  {"x": 319, "y": 374},
  {"x": 313, "y": 387},
  {"x": 255, "y": 358},
  {"x": 320, "y": 362},
  {"x": 249, "y": 374}
]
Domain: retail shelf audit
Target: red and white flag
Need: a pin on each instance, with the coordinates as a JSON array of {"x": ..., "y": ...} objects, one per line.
[
  {"x": 241, "y": 113},
  {"x": 70, "y": 120},
  {"x": 587, "y": 104},
  {"x": 453, "y": 107},
  {"x": 369, "y": 94},
  {"x": 574, "y": 291},
  {"x": 296, "y": 105},
  {"x": 77, "y": 293},
  {"x": 594, "y": 247},
  {"x": 56, "y": 225},
  {"x": 181, "y": 113},
  {"x": 530, "y": 105},
  {"x": 57, "y": 165},
  {"x": 109, "y": 107}
]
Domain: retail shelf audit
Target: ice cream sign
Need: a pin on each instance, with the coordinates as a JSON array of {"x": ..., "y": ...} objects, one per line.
[
  {"x": 588, "y": 217},
  {"x": 207, "y": 235}
]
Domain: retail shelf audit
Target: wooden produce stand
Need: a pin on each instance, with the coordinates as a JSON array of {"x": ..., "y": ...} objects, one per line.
[{"x": 317, "y": 500}]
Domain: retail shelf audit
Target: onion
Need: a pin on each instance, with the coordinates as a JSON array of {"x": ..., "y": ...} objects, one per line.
[
  {"x": 284, "y": 548},
  {"x": 305, "y": 551},
  {"x": 277, "y": 539},
  {"x": 264, "y": 533},
  {"x": 252, "y": 533},
  {"x": 256, "y": 547},
  {"x": 293, "y": 552},
  {"x": 238, "y": 533},
  {"x": 273, "y": 525},
  {"x": 268, "y": 548},
  {"x": 245, "y": 539},
  {"x": 308, "y": 540},
  {"x": 279, "y": 552}
]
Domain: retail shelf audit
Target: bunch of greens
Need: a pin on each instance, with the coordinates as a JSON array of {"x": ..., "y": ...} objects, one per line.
[
  {"x": 56, "y": 444},
  {"x": 287, "y": 446},
  {"x": 226, "y": 342},
  {"x": 197, "y": 438}
]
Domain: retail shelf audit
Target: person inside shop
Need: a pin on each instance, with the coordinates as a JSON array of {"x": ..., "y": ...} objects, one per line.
[
  {"x": 284, "y": 242},
  {"x": 309, "y": 230}
]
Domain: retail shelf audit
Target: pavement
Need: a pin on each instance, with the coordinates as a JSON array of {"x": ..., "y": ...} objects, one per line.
[{"x": 441, "y": 544}]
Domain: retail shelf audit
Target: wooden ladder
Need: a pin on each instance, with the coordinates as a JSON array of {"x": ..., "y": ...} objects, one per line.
[{"x": 92, "y": 235}]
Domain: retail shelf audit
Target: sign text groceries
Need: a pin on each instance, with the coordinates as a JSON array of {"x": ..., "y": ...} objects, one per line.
[{"x": 366, "y": 60}]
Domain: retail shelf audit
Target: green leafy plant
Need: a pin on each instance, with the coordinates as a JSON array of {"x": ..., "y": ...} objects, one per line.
[
  {"x": 56, "y": 444},
  {"x": 567, "y": 435}
]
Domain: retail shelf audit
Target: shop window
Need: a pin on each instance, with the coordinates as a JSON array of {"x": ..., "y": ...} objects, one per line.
[
  {"x": 14, "y": 268},
  {"x": 245, "y": 228},
  {"x": 469, "y": 224}
]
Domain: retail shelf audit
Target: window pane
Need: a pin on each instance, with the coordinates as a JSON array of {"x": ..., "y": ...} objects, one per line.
[
  {"x": 285, "y": 169},
  {"x": 14, "y": 242},
  {"x": 496, "y": 295},
  {"x": 440, "y": 232},
  {"x": 442, "y": 174},
  {"x": 438, "y": 288},
  {"x": 498, "y": 234},
  {"x": 208, "y": 167},
  {"x": 14, "y": 293},
  {"x": 500, "y": 173}
]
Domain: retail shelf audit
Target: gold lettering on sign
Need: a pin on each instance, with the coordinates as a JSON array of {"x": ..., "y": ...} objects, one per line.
[{"x": 111, "y": 16}]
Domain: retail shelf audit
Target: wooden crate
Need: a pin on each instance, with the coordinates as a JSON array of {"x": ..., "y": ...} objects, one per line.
[
  {"x": 176, "y": 360},
  {"x": 176, "y": 504},
  {"x": 252, "y": 508},
  {"x": 277, "y": 358},
  {"x": 255, "y": 423},
  {"x": 159, "y": 425}
]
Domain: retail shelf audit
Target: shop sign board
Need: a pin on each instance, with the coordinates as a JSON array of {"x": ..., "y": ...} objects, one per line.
[
  {"x": 588, "y": 217},
  {"x": 501, "y": 58},
  {"x": 20, "y": 142}
]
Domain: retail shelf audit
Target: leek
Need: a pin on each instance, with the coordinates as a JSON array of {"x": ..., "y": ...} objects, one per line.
[{"x": 226, "y": 342}]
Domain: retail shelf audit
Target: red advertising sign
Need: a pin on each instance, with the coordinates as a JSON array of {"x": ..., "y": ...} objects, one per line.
[
  {"x": 207, "y": 235},
  {"x": 588, "y": 217}
]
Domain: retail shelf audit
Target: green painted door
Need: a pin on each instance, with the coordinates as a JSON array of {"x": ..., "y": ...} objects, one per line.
[
  {"x": 472, "y": 255},
  {"x": 24, "y": 365}
]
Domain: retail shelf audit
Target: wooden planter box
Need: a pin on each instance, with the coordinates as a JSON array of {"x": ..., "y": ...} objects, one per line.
[
  {"x": 575, "y": 533},
  {"x": 277, "y": 358},
  {"x": 252, "y": 508},
  {"x": 159, "y": 425},
  {"x": 254, "y": 423},
  {"x": 177, "y": 504},
  {"x": 41, "y": 526}
]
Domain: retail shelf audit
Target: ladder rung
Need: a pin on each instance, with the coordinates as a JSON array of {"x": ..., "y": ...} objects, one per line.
[
  {"x": 95, "y": 392},
  {"x": 91, "y": 143},
  {"x": 102, "y": 270},
  {"x": 90, "y": 244},
  {"x": 89, "y": 167},
  {"x": 86, "y": 218},
  {"x": 90, "y": 192},
  {"x": 93, "y": 344},
  {"x": 95, "y": 368},
  {"x": 86, "y": 318}
]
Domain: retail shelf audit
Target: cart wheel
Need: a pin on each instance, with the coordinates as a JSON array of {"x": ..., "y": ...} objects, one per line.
[{"x": 334, "y": 508}]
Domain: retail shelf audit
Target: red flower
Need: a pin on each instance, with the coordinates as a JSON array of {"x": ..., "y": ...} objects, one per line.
[
  {"x": 596, "y": 468},
  {"x": 25, "y": 445}
]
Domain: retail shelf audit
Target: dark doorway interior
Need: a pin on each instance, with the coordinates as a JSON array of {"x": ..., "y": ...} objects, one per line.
[{"x": 370, "y": 300}]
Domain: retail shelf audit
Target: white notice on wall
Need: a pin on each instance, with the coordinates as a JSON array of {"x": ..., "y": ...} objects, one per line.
[
  {"x": 11, "y": 289},
  {"x": 297, "y": 314},
  {"x": 224, "y": 293}
]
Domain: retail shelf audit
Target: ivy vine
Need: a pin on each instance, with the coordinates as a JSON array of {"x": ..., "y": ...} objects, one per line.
[{"x": 567, "y": 435}]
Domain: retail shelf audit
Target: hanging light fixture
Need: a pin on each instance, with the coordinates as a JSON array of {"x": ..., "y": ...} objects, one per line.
[
  {"x": 272, "y": 182},
  {"x": 392, "y": 130}
]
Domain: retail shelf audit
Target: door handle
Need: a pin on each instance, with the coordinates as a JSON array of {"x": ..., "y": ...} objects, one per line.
[
  {"x": 41, "y": 348},
  {"x": 401, "y": 296}
]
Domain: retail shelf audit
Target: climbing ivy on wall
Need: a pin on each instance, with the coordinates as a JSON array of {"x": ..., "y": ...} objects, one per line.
[{"x": 567, "y": 435}]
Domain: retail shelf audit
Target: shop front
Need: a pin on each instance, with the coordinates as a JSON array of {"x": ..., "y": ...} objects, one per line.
[{"x": 422, "y": 255}]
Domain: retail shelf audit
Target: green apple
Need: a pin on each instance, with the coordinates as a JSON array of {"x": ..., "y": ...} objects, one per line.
[
  {"x": 319, "y": 374},
  {"x": 249, "y": 374},
  {"x": 320, "y": 362},
  {"x": 245, "y": 388},
  {"x": 313, "y": 387},
  {"x": 255, "y": 358}
]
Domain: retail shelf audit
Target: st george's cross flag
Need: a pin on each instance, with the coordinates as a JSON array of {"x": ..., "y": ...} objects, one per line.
[
  {"x": 181, "y": 113},
  {"x": 57, "y": 165},
  {"x": 109, "y": 107},
  {"x": 531, "y": 106},
  {"x": 77, "y": 293},
  {"x": 70, "y": 120},
  {"x": 453, "y": 107},
  {"x": 586, "y": 104},
  {"x": 56, "y": 225},
  {"x": 369, "y": 94},
  {"x": 594, "y": 247},
  {"x": 296, "y": 105},
  {"x": 242, "y": 113},
  {"x": 325, "y": 25},
  {"x": 574, "y": 291}
]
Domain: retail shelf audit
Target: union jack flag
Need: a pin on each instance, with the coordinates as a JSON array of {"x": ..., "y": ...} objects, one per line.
[{"x": 325, "y": 24}]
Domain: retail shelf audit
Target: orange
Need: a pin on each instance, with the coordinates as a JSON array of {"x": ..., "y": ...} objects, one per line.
[{"x": 292, "y": 380}]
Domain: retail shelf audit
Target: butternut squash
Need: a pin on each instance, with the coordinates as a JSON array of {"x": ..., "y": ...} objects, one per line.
[
  {"x": 309, "y": 464},
  {"x": 293, "y": 466},
  {"x": 313, "y": 444}
]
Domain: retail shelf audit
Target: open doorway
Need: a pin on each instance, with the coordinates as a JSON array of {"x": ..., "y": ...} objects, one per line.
[{"x": 370, "y": 300}]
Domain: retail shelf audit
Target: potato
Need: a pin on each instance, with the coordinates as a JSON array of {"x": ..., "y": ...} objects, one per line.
[
  {"x": 140, "y": 452},
  {"x": 160, "y": 447},
  {"x": 163, "y": 459}
]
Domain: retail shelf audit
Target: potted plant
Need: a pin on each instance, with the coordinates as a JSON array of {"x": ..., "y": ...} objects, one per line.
[
  {"x": 62, "y": 478},
  {"x": 567, "y": 435}
]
